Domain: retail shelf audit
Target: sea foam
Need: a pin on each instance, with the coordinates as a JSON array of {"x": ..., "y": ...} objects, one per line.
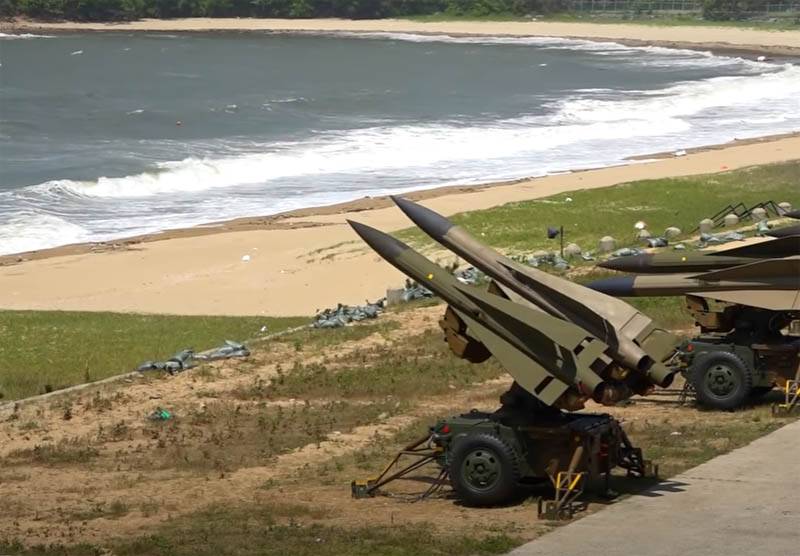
[{"x": 13, "y": 36}]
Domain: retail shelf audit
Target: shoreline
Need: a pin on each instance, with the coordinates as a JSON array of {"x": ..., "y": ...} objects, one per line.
[
  {"x": 727, "y": 40},
  {"x": 300, "y": 262},
  {"x": 304, "y": 217}
]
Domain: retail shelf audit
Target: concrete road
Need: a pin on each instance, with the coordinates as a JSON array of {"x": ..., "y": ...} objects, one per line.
[{"x": 740, "y": 504}]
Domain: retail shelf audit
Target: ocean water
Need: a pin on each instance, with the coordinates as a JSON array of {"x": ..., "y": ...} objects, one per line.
[{"x": 108, "y": 135}]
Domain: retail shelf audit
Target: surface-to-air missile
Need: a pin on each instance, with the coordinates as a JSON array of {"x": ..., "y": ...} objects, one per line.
[
  {"x": 561, "y": 342},
  {"x": 785, "y": 231},
  {"x": 554, "y": 360},
  {"x": 663, "y": 263},
  {"x": 556, "y": 364},
  {"x": 771, "y": 284},
  {"x": 634, "y": 341},
  {"x": 793, "y": 214}
]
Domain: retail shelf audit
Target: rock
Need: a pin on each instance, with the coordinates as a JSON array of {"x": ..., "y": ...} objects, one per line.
[
  {"x": 572, "y": 250},
  {"x": 730, "y": 220},
  {"x": 643, "y": 234},
  {"x": 784, "y": 207},
  {"x": 672, "y": 232},
  {"x": 758, "y": 214},
  {"x": 706, "y": 225},
  {"x": 607, "y": 244},
  {"x": 540, "y": 254}
]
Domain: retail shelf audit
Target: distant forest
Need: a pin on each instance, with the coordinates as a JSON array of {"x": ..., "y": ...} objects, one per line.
[{"x": 119, "y": 10}]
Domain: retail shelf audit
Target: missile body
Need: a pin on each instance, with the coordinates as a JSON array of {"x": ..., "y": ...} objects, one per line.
[
  {"x": 667, "y": 263},
  {"x": 767, "y": 275},
  {"x": 786, "y": 231},
  {"x": 556, "y": 361},
  {"x": 679, "y": 284},
  {"x": 635, "y": 341},
  {"x": 793, "y": 214}
]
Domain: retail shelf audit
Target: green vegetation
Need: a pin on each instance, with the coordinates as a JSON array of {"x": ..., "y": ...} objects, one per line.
[
  {"x": 416, "y": 366},
  {"x": 110, "y": 10},
  {"x": 594, "y": 213},
  {"x": 311, "y": 339},
  {"x": 42, "y": 351}
]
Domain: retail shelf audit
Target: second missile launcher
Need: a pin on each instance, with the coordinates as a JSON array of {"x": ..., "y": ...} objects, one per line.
[{"x": 744, "y": 312}]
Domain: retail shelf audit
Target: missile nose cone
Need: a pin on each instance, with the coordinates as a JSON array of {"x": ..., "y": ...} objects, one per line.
[
  {"x": 384, "y": 244},
  {"x": 620, "y": 286},
  {"x": 634, "y": 263},
  {"x": 432, "y": 223},
  {"x": 793, "y": 214}
]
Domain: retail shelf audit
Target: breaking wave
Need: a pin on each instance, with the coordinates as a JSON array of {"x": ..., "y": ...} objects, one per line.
[
  {"x": 30, "y": 230},
  {"x": 13, "y": 36}
]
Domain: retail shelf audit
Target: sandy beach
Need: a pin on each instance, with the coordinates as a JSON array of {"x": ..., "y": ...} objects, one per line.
[
  {"x": 743, "y": 40},
  {"x": 297, "y": 263}
]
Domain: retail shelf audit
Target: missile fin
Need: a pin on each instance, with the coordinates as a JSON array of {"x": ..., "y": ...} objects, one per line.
[
  {"x": 528, "y": 373},
  {"x": 565, "y": 349}
]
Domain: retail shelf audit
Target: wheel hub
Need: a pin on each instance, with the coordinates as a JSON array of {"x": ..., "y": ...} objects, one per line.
[
  {"x": 721, "y": 380},
  {"x": 481, "y": 468}
]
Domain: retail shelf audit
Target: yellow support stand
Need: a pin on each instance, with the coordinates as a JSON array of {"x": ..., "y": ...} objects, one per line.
[
  {"x": 791, "y": 401},
  {"x": 569, "y": 487}
]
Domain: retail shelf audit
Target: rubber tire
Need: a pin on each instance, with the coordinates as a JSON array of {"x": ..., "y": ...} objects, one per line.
[
  {"x": 505, "y": 487},
  {"x": 698, "y": 372}
]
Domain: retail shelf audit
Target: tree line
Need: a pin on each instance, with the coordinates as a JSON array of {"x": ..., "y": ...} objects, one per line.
[
  {"x": 110, "y": 10},
  {"x": 120, "y": 10}
]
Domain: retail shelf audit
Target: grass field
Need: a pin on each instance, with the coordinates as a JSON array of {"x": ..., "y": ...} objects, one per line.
[
  {"x": 42, "y": 351},
  {"x": 225, "y": 444},
  {"x": 593, "y": 213}
]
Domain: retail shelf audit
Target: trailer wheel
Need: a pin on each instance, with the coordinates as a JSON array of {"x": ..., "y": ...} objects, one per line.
[
  {"x": 721, "y": 380},
  {"x": 484, "y": 470}
]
